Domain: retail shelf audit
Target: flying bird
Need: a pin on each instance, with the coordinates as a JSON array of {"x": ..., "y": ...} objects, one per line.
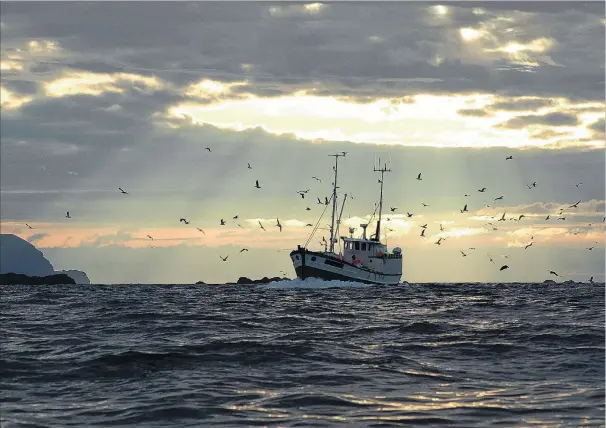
[
  {"x": 464, "y": 210},
  {"x": 499, "y": 198},
  {"x": 529, "y": 245},
  {"x": 307, "y": 209},
  {"x": 208, "y": 148},
  {"x": 124, "y": 192},
  {"x": 224, "y": 259},
  {"x": 278, "y": 224},
  {"x": 393, "y": 209},
  {"x": 504, "y": 267},
  {"x": 325, "y": 200},
  {"x": 464, "y": 255},
  {"x": 547, "y": 218},
  {"x": 591, "y": 280},
  {"x": 200, "y": 230},
  {"x": 441, "y": 228},
  {"x": 509, "y": 157},
  {"x": 575, "y": 205},
  {"x": 249, "y": 167},
  {"x": 491, "y": 260},
  {"x": 425, "y": 205},
  {"x": 319, "y": 201},
  {"x": 257, "y": 184},
  {"x": 503, "y": 217},
  {"x": 309, "y": 225},
  {"x": 534, "y": 184},
  {"x": 422, "y": 233},
  {"x": 183, "y": 220},
  {"x": 317, "y": 179},
  {"x": 553, "y": 273},
  {"x": 409, "y": 214},
  {"x": 521, "y": 217},
  {"x": 67, "y": 215},
  {"x": 222, "y": 222},
  {"x": 235, "y": 217},
  {"x": 419, "y": 177},
  {"x": 439, "y": 242},
  {"x": 261, "y": 225},
  {"x": 28, "y": 226},
  {"x": 482, "y": 190},
  {"x": 424, "y": 226},
  {"x": 243, "y": 249}
]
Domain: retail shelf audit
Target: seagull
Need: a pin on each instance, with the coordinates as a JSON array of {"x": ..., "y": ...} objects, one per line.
[
  {"x": 422, "y": 233},
  {"x": 208, "y": 148},
  {"x": 325, "y": 200},
  {"x": 575, "y": 205},
  {"x": 317, "y": 179},
  {"x": 547, "y": 218},
  {"x": 590, "y": 248},
  {"x": 425, "y": 205},
  {"x": 122, "y": 191},
  {"x": 257, "y": 184},
  {"x": 224, "y": 259},
  {"x": 504, "y": 267},
  {"x": 499, "y": 198},
  {"x": 149, "y": 236},
  {"x": 243, "y": 249},
  {"x": 235, "y": 217},
  {"x": 183, "y": 220},
  {"x": 521, "y": 217},
  {"x": 222, "y": 222},
  {"x": 529, "y": 245},
  {"x": 28, "y": 226},
  {"x": 534, "y": 184},
  {"x": 67, "y": 215},
  {"x": 249, "y": 167},
  {"x": 464, "y": 210},
  {"x": 482, "y": 190},
  {"x": 393, "y": 209},
  {"x": 553, "y": 273},
  {"x": 424, "y": 226},
  {"x": 200, "y": 230},
  {"x": 464, "y": 255},
  {"x": 529, "y": 186},
  {"x": 319, "y": 201},
  {"x": 439, "y": 241},
  {"x": 503, "y": 217},
  {"x": 509, "y": 157},
  {"x": 261, "y": 225},
  {"x": 419, "y": 177},
  {"x": 441, "y": 228},
  {"x": 309, "y": 225},
  {"x": 492, "y": 261},
  {"x": 591, "y": 280},
  {"x": 409, "y": 214},
  {"x": 307, "y": 209},
  {"x": 561, "y": 218},
  {"x": 278, "y": 224}
]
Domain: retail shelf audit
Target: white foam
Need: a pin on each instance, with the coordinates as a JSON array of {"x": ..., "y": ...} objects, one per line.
[{"x": 312, "y": 283}]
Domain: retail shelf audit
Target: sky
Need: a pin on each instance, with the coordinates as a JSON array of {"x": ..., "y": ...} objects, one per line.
[{"x": 97, "y": 96}]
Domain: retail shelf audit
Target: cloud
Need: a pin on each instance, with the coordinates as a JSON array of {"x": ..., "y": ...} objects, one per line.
[
  {"x": 551, "y": 119},
  {"x": 36, "y": 237}
]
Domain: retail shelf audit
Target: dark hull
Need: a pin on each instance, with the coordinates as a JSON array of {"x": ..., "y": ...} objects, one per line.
[{"x": 311, "y": 272}]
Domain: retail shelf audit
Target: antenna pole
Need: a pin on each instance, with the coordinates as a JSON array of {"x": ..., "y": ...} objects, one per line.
[
  {"x": 382, "y": 171},
  {"x": 334, "y": 202}
]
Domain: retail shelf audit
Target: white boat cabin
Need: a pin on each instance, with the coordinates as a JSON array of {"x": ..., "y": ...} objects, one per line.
[{"x": 367, "y": 252}]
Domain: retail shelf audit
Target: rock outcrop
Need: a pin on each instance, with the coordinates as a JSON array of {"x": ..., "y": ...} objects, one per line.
[
  {"x": 247, "y": 281},
  {"x": 77, "y": 275},
  {"x": 20, "y": 279},
  {"x": 19, "y": 256}
]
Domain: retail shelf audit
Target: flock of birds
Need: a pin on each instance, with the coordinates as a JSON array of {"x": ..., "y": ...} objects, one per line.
[{"x": 302, "y": 193}]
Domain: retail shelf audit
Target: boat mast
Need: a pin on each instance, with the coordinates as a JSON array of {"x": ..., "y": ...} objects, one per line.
[
  {"x": 339, "y": 219},
  {"x": 334, "y": 202},
  {"x": 382, "y": 171}
]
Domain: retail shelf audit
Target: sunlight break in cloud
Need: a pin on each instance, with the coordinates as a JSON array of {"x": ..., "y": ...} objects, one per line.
[
  {"x": 96, "y": 84},
  {"x": 384, "y": 121},
  {"x": 10, "y": 101}
]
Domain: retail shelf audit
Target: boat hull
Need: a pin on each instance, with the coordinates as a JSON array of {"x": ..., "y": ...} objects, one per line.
[{"x": 311, "y": 264}]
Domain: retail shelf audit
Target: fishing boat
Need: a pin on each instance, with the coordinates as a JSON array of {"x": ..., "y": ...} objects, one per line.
[{"x": 361, "y": 259}]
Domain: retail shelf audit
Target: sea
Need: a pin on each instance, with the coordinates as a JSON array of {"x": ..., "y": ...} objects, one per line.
[{"x": 303, "y": 354}]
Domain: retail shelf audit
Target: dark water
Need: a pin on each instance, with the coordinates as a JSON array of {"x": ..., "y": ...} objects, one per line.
[{"x": 431, "y": 355}]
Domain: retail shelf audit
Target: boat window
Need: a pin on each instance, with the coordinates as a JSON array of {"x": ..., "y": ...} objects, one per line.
[
  {"x": 347, "y": 245},
  {"x": 363, "y": 246},
  {"x": 357, "y": 246}
]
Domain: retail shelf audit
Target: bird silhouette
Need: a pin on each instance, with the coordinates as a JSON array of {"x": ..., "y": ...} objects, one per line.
[
  {"x": 392, "y": 209},
  {"x": 184, "y": 220},
  {"x": 317, "y": 179},
  {"x": 575, "y": 205},
  {"x": 67, "y": 215},
  {"x": 424, "y": 204},
  {"x": 482, "y": 190},
  {"x": 257, "y": 184},
  {"x": 528, "y": 246},
  {"x": 422, "y": 233},
  {"x": 124, "y": 192},
  {"x": 207, "y": 148},
  {"x": 409, "y": 214},
  {"x": 464, "y": 255},
  {"x": 509, "y": 157},
  {"x": 278, "y": 224},
  {"x": 28, "y": 226},
  {"x": 553, "y": 273},
  {"x": 464, "y": 210},
  {"x": 222, "y": 222},
  {"x": 249, "y": 167},
  {"x": 224, "y": 258},
  {"x": 200, "y": 230},
  {"x": 243, "y": 249},
  {"x": 504, "y": 267},
  {"x": 419, "y": 177},
  {"x": 499, "y": 198},
  {"x": 261, "y": 225}
]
